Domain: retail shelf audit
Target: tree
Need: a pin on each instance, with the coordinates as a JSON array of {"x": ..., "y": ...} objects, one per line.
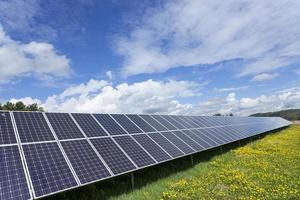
[
  {"x": 217, "y": 114},
  {"x": 20, "y": 106}
]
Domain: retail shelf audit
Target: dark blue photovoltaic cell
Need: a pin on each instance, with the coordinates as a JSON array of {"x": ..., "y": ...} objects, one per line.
[
  {"x": 201, "y": 141},
  {"x": 181, "y": 121},
  {"x": 141, "y": 123},
  {"x": 64, "y": 126},
  {"x": 212, "y": 134},
  {"x": 126, "y": 123},
  {"x": 32, "y": 127},
  {"x": 13, "y": 183},
  {"x": 174, "y": 122},
  {"x": 7, "y": 134},
  {"x": 112, "y": 155},
  {"x": 109, "y": 124},
  {"x": 85, "y": 161},
  {"x": 156, "y": 152},
  {"x": 164, "y": 122},
  {"x": 134, "y": 151},
  {"x": 89, "y": 125},
  {"x": 177, "y": 142},
  {"x": 166, "y": 145},
  {"x": 201, "y": 134},
  {"x": 153, "y": 123},
  {"x": 188, "y": 140},
  {"x": 48, "y": 169}
]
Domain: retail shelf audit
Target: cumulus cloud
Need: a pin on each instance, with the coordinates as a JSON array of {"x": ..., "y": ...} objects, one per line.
[
  {"x": 37, "y": 59},
  {"x": 27, "y": 100},
  {"x": 99, "y": 96},
  {"x": 265, "y": 77},
  {"x": 195, "y": 32}
]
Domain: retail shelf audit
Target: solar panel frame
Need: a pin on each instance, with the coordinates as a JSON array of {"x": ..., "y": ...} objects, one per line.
[
  {"x": 7, "y": 132},
  {"x": 174, "y": 122},
  {"x": 184, "y": 147},
  {"x": 63, "y": 125},
  {"x": 13, "y": 178},
  {"x": 188, "y": 140},
  {"x": 154, "y": 123},
  {"x": 91, "y": 127},
  {"x": 39, "y": 186},
  {"x": 31, "y": 131},
  {"x": 164, "y": 122},
  {"x": 109, "y": 124},
  {"x": 126, "y": 123},
  {"x": 135, "y": 151},
  {"x": 141, "y": 123}
]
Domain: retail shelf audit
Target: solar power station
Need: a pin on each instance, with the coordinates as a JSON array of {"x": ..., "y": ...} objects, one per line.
[{"x": 46, "y": 153}]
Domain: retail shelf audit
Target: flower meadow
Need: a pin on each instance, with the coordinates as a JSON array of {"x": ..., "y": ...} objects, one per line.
[{"x": 268, "y": 168}]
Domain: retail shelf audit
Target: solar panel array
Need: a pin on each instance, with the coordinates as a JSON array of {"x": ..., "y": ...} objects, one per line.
[{"x": 46, "y": 153}]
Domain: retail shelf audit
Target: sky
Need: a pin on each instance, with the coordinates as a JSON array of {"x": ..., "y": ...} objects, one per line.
[{"x": 191, "y": 57}]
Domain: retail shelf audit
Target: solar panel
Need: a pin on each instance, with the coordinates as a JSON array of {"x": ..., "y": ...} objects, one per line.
[
  {"x": 85, "y": 161},
  {"x": 126, "y": 123},
  {"x": 109, "y": 124},
  {"x": 60, "y": 151},
  {"x": 7, "y": 133},
  {"x": 166, "y": 145},
  {"x": 174, "y": 122},
  {"x": 164, "y": 122},
  {"x": 188, "y": 140},
  {"x": 32, "y": 127},
  {"x": 13, "y": 184},
  {"x": 178, "y": 143},
  {"x": 141, "y": 123},
  {"x": 48, "y": 169},
  {"x": 113, "y": 155},
  {"x": 89, "y": 125},
  {"x": 156, "y": 152},
  {"x": 134, "y": 151},
  {"x": 201, "y": 141},
  {"x": 153, "y": 123},
  {"x": 64, "y": 126}
]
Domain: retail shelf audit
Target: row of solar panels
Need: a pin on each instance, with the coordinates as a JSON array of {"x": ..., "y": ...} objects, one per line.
[{"x": 44, "y": 153}]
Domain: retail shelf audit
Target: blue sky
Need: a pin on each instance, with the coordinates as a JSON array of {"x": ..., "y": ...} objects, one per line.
[{"x": 174, "y": 57}]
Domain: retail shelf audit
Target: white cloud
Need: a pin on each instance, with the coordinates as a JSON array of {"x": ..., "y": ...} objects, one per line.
[
  {"x": 143, "y": 97},
  {"x": 231, "y": 89},
  {"x": 265, "y": 77},
  {"x": 37, "y": 59},
  {"x": 98, "y": 96},
  {"x": 26, "y": 100},
  {"x": 193, "y": 32}
]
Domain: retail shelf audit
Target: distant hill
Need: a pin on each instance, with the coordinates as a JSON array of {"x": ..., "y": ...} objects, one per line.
[{"x": 292, "y": 114}]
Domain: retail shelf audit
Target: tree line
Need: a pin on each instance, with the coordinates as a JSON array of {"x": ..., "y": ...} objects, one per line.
[{"x": 20, "y": 106}]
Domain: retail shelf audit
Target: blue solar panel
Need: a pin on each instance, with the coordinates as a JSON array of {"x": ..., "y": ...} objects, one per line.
[
  {"x": 174, "y": 122},
  {"x": 181, "y": 121},
  {"x": 157, "y": 153},
  {"x": 109, "y": 124},
  {"x": 164, "y": 122},
  {"x": 188, "y": 140},
  {"x": 32, "y": 127},
  {"x": 201, "y": 141},
  {"x": 13, "y": 184},
  {"x": 126, "y": 123},
  {"x": 89, "y": 125},
  {"x": 141, "y": 123},
  {"x": 178, "y": 143},
  {"x": 7, "y": 134},
  {"x": 48, "y": 169},
  {"x": 153, "y": 122},
  {"x": 112, "y": 155},
  {"x": 134, "y": 151},
  {"x": 85, "y": 161},
  {"x": 201, "y": 134},
  {"x": 166, "y": 145}
]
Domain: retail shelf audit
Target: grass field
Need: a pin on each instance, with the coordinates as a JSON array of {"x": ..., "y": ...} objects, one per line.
[{"x": 266, "y": 168}]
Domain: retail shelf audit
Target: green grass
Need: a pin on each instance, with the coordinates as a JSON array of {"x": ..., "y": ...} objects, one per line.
[{"x": 268, "y": 168}]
